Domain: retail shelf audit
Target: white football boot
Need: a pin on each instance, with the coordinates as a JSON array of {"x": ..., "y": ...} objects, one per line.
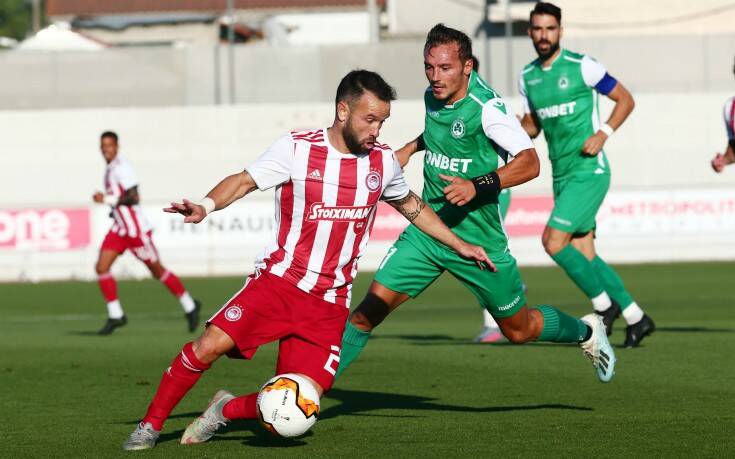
[
  {"x": 598, "y": 348},
  {"x": 204, "y": 427},
  {"x": 143, "y": 437}
]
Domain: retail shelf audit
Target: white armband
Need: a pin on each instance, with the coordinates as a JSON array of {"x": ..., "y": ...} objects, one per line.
[
  {"x": 609, "y": 131},
  {"x": 110, "y": 200},
  {"x": 208, "y": 204}
]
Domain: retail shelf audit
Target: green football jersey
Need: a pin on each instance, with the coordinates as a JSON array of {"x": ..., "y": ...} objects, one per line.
[
  {"x": 471, "y": 137},
  {"x": 564, "y": 99}
]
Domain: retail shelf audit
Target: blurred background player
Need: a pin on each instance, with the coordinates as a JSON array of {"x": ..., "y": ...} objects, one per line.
[
  {"x": 559, "y": 92},
  {"x": 720, "y": 161},
  {"x": 328, "y": 183},
  {"x": 130, "y": 230},
  {"x": 469, "y": 135}
]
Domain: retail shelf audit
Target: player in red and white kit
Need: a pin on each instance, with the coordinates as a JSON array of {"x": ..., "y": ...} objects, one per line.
[
  {"x": 721, "y": 160},
  {"x": 130, "y": 231},
  {"x": 327, "y": 185}
]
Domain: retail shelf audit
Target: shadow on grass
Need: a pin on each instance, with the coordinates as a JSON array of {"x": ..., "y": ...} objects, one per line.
[
  {"x": 84, "y": 333},
  {"x": 358, "y": 403},
  {"x": 694, "y": 330}
]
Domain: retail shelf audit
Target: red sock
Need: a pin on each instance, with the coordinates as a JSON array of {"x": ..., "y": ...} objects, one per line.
[
  {"x": 172, "y": 283},
  {"x": 184, "y": 372},
  {"x": 108, "y": 286},
  {"x": 241, "y": 407}
]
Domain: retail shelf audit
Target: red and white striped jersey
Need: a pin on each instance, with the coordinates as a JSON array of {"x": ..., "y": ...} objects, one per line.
[
  {"x": 127, "y": 220},
  {"x": 729, "y": 115},
  {"x": 325, "y": 209}
]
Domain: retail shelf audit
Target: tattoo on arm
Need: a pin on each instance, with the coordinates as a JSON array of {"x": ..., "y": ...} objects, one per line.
[
  {"x": 410, "y": 206},
  {"x": 129, "y": 198}
]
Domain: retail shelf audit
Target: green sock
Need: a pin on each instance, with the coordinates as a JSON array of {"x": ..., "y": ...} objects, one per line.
[
  {"x": 560, "y": 327},
  {"x": 612, "y": 282},
  {"x": 353, "y": 341},
  {"x": 580, "y": 270}
]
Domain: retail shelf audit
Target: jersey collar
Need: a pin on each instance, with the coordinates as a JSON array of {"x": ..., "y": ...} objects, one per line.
[{"x": 558, "y": 56}]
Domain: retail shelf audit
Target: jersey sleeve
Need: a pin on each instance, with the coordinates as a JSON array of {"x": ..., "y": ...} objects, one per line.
[
  {"x": 729, "y": 115},
  {"x": 126, "y": 175},
  {"x": 595, "y": 76},
  {"x": 397, "y": 188},
  {"x": 502, "y": 127},
  {"x": 273, "y": 167},
  {"x": 522, "y": 91}
]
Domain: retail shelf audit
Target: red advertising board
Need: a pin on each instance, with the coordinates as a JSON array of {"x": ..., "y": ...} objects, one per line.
[{"x": 44, "y": 229}]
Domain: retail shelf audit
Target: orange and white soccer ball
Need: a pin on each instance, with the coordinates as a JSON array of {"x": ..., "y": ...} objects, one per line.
[{"x": 288, "y": 405}]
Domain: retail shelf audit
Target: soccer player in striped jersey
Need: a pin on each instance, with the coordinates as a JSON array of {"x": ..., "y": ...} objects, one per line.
[
  {"x": 130, "y": 231},
  {"x": 720, "y": 161},
  {"x": 327, "y": 186},
  {"x": 560, "y": 93}
]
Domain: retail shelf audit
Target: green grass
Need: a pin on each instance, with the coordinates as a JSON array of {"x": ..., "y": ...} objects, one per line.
[{"x": 420, "y": 389}]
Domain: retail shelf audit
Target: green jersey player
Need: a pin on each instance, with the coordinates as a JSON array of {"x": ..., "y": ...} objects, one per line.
[
  {"x": 560, "y": 91},
  {"x": 470, "y": 134}
]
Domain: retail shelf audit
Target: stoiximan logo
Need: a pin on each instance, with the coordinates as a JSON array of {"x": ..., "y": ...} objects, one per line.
[{"x": 458, "y": 128}]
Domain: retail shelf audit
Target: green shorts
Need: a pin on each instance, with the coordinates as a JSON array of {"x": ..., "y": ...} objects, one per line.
[
  {"x": 576, "y": 202},
  {"x": 415, "y": 261}
]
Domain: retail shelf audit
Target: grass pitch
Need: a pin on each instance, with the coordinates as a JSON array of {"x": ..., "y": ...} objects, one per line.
[{"x": 420, "y": 389}]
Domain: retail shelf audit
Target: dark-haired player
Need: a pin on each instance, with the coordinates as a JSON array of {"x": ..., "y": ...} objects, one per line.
[
  {"x": 560, "y": 91},
  {"x": 469, "y": 136},
  {"x": 328, "y": 183},
  {"x": 130, "y": 231}
]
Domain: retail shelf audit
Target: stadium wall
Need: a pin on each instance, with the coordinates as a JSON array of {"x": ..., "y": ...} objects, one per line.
[
  {"x": 166, "y": 76},
  {"x": 665, "y": 202}
]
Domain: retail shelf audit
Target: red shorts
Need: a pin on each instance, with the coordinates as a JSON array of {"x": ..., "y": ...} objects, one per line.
[
  {"x": 142, "y": 247},
  {"x": 309, "y": 329}
]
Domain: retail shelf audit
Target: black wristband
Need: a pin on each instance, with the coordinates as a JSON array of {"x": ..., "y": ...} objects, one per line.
[
  {"x": 732, "y": 143},
  {"x": 420, "y": 145},
  {"x": 488, "y": 184}
]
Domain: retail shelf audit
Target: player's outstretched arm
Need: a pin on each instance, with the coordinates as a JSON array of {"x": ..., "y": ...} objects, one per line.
[
  {"x": 526, "y": 166},
  {"x": 720, "y": 161},
  {"x": 415, "y": 210},
  {"x": 229, "y": 190},
  {"x": 403, "y": 155},
  {"x": 624, "y": 105}
]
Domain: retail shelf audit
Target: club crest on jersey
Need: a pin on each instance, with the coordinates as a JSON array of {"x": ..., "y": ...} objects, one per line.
[
  {"x": 319, "y": 211},
  {"x": 373, "y": 181},
  {"x": 563, "y": 82},
  {"x": 457, "y": 128},
  {"x": 233, "y": 313}
]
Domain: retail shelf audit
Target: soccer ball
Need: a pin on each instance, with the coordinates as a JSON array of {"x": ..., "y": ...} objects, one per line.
[{"x": 288, "y": 405}]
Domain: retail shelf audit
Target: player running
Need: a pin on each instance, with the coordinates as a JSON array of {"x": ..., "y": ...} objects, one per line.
[
  {"x": 720, "y": 161},
  {"x": 490, "y": 332},
  {"x": 560, "y": 94},
  {"x": 130, "y": 230},
  {"x": 328, "y": 183},
  {"x": 469, "y": 136}
]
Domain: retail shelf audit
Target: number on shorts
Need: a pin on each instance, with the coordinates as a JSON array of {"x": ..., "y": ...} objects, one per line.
[
  {"x": 331, "y": 360},
  {"x": 390, "y": 253}
]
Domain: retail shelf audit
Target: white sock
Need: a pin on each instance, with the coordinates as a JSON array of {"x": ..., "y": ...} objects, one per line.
[
  {"x": 633, "y": 313},
  {"x": 187, "y": 302},
  {"x": 114, "y": 310},
  {"x": 488, "y": 320},
  {"x": 601, "y": 302}
]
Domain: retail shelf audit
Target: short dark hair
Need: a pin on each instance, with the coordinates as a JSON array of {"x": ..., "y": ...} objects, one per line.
[
  {"x": 442, "y": 35},
  {"x": 546, "y": 8},
  {"x": 355, "y": 83},
  {"x": 475, "y": 63},
  {"x": 110, "y": 134}
]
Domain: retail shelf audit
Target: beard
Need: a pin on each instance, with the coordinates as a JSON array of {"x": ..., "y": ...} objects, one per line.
[
  {"x": 546, "y": 54},
  {"x": 352, "y": 142}
]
